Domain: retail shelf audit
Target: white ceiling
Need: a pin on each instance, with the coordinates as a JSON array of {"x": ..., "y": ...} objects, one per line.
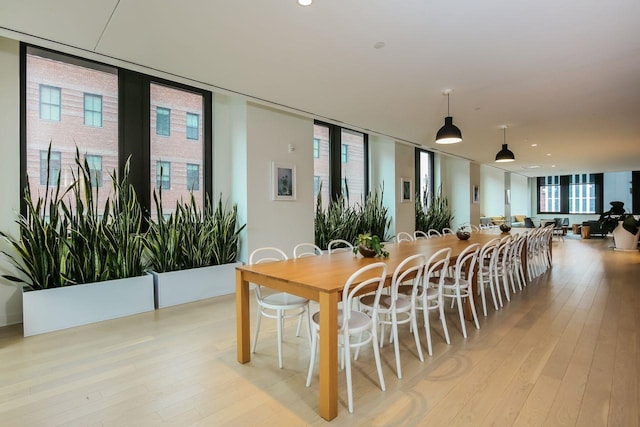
[{"x": 561, "y": 74}]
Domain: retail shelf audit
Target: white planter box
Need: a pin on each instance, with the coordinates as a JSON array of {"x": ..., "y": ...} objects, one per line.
[
  {"x": 53, "y": 309},
  {"x": 179, "y": 287},
  {"x": 625, "y": 241}
]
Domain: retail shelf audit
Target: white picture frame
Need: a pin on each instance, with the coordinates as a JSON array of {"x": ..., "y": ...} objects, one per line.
[
  {"x": 406, "y": 190},
  {"x": 283, "y": 181}
]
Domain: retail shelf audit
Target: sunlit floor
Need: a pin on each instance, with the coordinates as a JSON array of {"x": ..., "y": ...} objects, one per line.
[{"x": 565, "y": 351}]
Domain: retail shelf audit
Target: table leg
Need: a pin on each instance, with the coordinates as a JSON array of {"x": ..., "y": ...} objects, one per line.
[
  {"x": 243, "y": 333},
  {"x": 328, "y": 355}
]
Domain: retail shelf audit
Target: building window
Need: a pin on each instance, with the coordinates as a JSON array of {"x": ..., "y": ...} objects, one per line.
[
  {"x": 582, "y": 194},
  {"x": 53, "y": 167},
  {"x": 50, "y": 101},
  {"x": 549, "y": 193},
  {"x": 193, "y": 177},
  {"x": 92, "y": 110},
  {"x": 424, "y": 176},
  {"x": 343, "y": 171},
  {"x": 193, "y": 126},
  {"x": 316, "y": 185},
  {"x": 316, "y": 148},
  {"x": 163, "y": 175},
  {"x": 163, "y": 121},
  {"x": 95, "y": 169},
  {"x": 570, "y": 194}
]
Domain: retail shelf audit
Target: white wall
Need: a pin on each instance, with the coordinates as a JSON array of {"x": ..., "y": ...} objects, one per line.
[
  {"x": 617, "y": 187},
  {"x": 491, "y": 191},
  {"x": 520, "y": 195},
  {"x": 405, "y": 167},
  {"x": 382, "y": 174},
  {"x": 456, "y": 176},
  {"x": 10, "y": 295},
  {"x": 269, "y": 222}
]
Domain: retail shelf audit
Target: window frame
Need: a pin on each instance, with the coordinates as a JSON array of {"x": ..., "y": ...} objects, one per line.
[
  {"x": 158, "y": 115},
  {"x": 49, "y": 104},
  {"x": 163, "y": 166},
  {"x": 191, "y": 128},
  {"x": 565, "y": 182},
  {"x": 47, "y": 168},
  {"x": 92, "y": 112},
  {"x": 418, "y": 178},
  {"x": 96, "y": 180},
  {"x": 134, "y": 123},
  {"x": 197, "y": 178},
  {"x": 335, "y": 159}
]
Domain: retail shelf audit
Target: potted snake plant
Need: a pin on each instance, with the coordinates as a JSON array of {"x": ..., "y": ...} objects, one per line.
[
  {"x": 78, "y": 264},
  {"x": 192, "y": 252}
]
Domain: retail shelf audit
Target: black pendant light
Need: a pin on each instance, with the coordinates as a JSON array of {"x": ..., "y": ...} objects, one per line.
[
  {"x": 449, "y": 133},
  {"x": 505, "y": 155}
]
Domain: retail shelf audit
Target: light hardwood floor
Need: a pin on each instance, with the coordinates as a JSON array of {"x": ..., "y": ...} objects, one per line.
[{"x": 565, "y": 351}]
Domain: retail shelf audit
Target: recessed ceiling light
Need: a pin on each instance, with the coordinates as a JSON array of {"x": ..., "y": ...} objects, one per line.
[
  {"x": 305, "y": 2},
  {"x": 553, "y": 166},
  {"x": 548, "y": 154},
  {"x": 534, "y": 145},
  {"x": 379, "y": 45}
]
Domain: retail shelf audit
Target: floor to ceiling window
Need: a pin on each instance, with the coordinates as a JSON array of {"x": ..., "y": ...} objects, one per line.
[
  {"x": 112, "y": 114},
  {"x": 340, "y": 163}
]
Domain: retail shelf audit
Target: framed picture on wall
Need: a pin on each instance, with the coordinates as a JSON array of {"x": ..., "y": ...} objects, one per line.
[
  {"x": 476, "y": 194},
  {"x": 284, "y": 181},
  {"x": 406, "y": 190}
]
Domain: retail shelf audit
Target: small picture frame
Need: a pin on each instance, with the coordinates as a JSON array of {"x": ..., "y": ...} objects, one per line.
[
  {"x": 476, "y": 194},
  {"x": 406, "y": 190},
  {"x": 284, "y": 181}
]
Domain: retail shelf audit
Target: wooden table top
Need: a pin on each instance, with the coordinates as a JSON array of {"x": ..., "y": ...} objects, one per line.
[{"x": 328, "y": 273}]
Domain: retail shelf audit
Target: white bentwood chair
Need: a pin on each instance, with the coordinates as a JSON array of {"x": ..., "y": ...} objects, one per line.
[
  {"x": 391, "y": 306},
  {"x": 279, "y": 303},
  {"x": 403, "y": 236},
  {"x": 306, "y": 249},
  {"x": 459, "y": 286},
  {"x": 419, "y": 234},
  {"x": 339, "y": 245},
  {"x": 356, "y": 323}
]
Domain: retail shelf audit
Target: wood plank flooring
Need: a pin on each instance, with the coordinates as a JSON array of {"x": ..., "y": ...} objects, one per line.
[{"x": 564, "y": 352}]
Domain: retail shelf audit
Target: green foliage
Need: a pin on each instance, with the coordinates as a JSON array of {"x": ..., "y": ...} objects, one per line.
[
  {"x": 437, "y": 215},
  {"x": 609, "y": 220},
  {"x": 370, "y": 242},
  {"x": 190, "y": 237},
  {"x": 342, "y": 221},
  {"x": 65, "y": 240}
]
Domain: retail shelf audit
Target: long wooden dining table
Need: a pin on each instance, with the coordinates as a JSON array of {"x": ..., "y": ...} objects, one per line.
[{"x": 322, "y": 279}]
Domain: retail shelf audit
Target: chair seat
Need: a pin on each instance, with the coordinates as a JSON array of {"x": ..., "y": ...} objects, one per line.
[
  {"x": 283, "y": 301},
  {"x": 359, "y": 321},
  {"x": 450, "y": 283}
]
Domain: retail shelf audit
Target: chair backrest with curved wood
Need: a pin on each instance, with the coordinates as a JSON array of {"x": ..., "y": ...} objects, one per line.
[
  {"x": 306, "y": 249},
  {"x": 403, "y": 236},
  {"x": 419, "y": 234},
  {"x": 447, "y": 230},
  {"x": 339, "y": 245},
  {"x": 266, "y": 254},
  {"x": 433, "y": 233}
]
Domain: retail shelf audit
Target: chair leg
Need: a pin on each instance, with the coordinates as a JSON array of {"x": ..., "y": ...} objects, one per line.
[
  {"x": 427, "y": 329},
  {"x": 255, "y": 335},
  {"x": 493, "y": 293},
  {"x": 347, "y": 358},
  {"x": 312, "y": 357},
  {"x": 443, "y": 320},
  {"x": 280, "y": 321},
  {"x": 376, "y": 354},
  {"x": 416, "y": 335},
  {"x": 396, "y": 346},
  {"x": 473, "y": 309},
  {"x": 464, "y": 327},
  {"x": 482, "y": 296}
]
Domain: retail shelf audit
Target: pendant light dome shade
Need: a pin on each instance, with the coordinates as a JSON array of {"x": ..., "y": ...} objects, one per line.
[
  {"x": 505, "y": 155},
  {"x": 449, "y": 133}
]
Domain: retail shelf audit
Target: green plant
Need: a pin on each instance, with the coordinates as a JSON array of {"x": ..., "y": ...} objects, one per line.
[
  {"x": 433, "y": 211},
  {"x": 191, "y": 237},
  {"x": 609, "y": 220},
  {"x": 370, "y": 242},
  {"x": 65, "y": 239},
  {"x": 343, "y": 221}
]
